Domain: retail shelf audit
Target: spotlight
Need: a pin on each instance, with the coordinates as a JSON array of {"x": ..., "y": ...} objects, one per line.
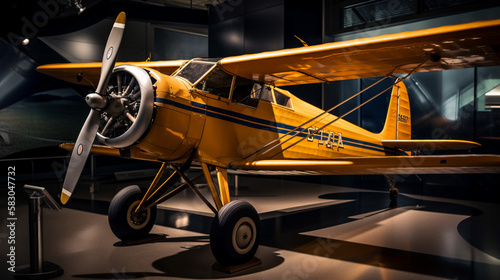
[
  {"x": 26, "y": 41},
  {"x": 492, "y": 99},
  {"x": 78, "y": 4}
]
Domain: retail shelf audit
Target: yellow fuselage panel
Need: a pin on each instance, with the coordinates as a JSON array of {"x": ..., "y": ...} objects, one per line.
[
  {"x": 333, "y": 139},
  {"x": 222, "y": 131},
  {"x": 236, "y": 131},
  {"x": 176, "y": 129}
]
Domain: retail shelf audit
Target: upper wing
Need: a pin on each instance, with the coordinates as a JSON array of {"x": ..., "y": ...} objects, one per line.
[
  {"x": 441, "y": 164},
  {"x": 459, "y": 46},
  {"x": 88, "y": 73}
]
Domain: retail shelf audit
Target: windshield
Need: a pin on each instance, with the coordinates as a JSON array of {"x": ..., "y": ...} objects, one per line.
[
  {"x": 194, "y": 70},
  {"x": 216, "y": 82}
]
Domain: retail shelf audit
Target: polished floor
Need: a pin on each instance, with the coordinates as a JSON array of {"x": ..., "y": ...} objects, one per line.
[{"x": 309, "y": 231}]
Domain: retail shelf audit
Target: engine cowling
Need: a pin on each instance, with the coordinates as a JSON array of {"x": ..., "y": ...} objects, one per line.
[{"x": 130, "y": 107}]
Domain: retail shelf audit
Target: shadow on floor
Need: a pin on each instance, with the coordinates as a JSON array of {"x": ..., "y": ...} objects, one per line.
[{"x": 193, "y": 263}]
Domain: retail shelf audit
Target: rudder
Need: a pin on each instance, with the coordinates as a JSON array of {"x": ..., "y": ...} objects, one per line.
[{"x": 398, "y": 121}]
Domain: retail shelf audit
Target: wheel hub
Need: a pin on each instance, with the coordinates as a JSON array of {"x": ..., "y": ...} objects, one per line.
[
  {"x": 243, "y": 235},
  {"x": 137, "y": 219}
]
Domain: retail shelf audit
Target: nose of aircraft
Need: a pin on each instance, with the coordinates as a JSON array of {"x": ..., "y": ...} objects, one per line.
[
  {"x": 91, "y": 125},
  {"x": 96, "y": 101}
]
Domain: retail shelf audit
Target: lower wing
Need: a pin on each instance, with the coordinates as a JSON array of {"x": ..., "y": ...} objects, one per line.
[
  {"x": 439, "y": 164},
  {"x": 431, "y": 164},
  {"x": 430, "y": 144}
]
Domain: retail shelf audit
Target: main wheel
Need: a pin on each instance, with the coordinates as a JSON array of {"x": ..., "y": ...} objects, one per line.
[
  {"x": 125, "y": 223},
  {"x": 235, "y": 233}
]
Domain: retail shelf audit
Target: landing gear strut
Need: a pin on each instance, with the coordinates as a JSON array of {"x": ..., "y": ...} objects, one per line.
[{"x": 235, "y": 230}]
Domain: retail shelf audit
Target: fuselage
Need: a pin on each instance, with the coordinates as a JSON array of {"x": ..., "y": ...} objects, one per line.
[{"x": 222, "y": 128}]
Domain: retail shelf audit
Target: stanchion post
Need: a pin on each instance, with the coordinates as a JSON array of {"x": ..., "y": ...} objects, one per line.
[
  {"x": 35, "y": 228},
  {"x": 38, "y": 269}
]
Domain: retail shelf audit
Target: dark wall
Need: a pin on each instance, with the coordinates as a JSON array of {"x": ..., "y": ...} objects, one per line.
[
  {"x": 172, "y": 45},
  {"x": 305, "y": 21},
  {"x": 244, "y": 27}
]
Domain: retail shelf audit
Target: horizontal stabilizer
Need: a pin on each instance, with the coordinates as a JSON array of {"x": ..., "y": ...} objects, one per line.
[{"x": 430, "y": 144}]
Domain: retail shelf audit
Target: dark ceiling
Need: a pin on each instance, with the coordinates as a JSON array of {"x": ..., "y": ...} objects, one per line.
[{"x": 28, "y": 18}]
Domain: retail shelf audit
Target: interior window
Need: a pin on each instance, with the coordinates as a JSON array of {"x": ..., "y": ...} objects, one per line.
[
  {"x": 216, "y": 82},
  {"x": 243, "y": 92},
  {"x": 249, "y": 92},
  {"x": 263, "y": 92},
  {"x": 282, "y": 99}
]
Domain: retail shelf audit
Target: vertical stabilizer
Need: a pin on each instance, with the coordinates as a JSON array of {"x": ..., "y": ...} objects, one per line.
[{"x": 398, "y": 121}]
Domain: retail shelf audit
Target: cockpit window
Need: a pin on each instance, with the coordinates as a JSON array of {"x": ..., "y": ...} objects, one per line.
[
  {"x": 249, "y": 92},
  {"x": 194, "y": 70},
  {"x": 261, "y": 91},
  {"x": 219, "y": 83},
  {"x": 216, "y": 82}
]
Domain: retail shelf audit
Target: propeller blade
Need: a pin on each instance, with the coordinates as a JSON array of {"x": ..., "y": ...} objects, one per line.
[
  {"x": 80, "y": 153},
  {"x": 110, "y": 52},
  {"x": 89, "y": 130}
]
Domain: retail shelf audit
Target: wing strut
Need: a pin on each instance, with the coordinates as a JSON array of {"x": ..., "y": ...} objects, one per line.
[{"x": 267, "y": 148}]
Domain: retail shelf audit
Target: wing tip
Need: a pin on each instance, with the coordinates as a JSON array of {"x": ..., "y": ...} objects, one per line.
[
  {"x": 65, "y": 195},
  {"x": 121, "y": 18},
  {"x": 67, "y": 146}
]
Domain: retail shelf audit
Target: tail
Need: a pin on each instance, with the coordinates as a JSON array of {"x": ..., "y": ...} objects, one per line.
[{"x": 398, "y": 121}]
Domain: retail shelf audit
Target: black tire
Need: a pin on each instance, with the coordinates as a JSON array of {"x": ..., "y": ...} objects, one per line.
[
  {"x": 393, "y": 194},
  {"x": 124, "y": 223},
  {"x": 235, "y": 233}
]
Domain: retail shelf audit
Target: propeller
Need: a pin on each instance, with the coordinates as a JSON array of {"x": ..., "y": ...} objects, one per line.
[{"x": 97, "y": 101}]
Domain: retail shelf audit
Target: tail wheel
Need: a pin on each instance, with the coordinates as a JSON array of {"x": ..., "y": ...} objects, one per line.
[
  {"x": 393, "y": 194},
  {"x": 235, "y": 233},
  {"x": 125, "y": 222}
]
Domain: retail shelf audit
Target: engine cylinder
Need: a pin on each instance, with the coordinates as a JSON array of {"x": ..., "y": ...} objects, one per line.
[{"x": 130, "y": 109}]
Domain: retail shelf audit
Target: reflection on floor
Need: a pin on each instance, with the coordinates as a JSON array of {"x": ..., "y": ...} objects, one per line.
[{"x": 310, "y": 231}]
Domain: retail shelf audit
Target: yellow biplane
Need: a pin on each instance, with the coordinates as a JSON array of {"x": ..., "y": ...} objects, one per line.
[{"x": 211, "y": 111}]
